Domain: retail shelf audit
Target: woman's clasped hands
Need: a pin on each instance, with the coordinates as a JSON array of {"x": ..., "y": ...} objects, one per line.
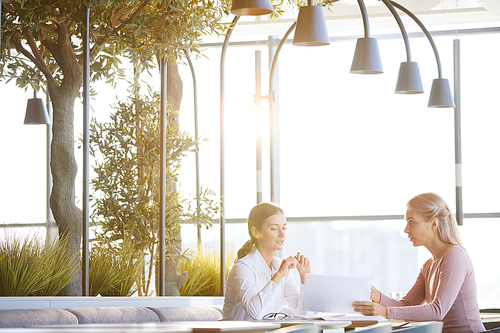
[{"x": 371, "y": 308}]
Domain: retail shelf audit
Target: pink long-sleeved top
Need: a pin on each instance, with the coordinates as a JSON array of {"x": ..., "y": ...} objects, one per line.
[{"x": 445, "y": 290}]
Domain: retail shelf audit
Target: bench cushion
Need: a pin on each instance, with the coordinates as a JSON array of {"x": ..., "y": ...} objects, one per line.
[
  {"x": 31, "y": 317},
  {"x": 115, "y": 314},
  {"x": 190, "y": 313}
]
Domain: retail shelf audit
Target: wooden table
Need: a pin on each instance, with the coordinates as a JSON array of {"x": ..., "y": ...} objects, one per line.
[
  {"x": 321, "y": 324},
  {"x": 360, "y": 321},
  {"x": 397, "y": 324},
  {"x": 490, "y": 317},
  {"x": 490, "y": 320}
]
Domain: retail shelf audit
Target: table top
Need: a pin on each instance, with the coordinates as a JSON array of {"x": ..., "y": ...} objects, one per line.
[
  {"x": 164, "y": 327},
  {"x": 489, "y": 317},
  {"x": 221, "y": 326},
  {"x": 180, "y": 327},
  {"x": 321, "y": 324},
  {"x": 95, "y": 329},
  {"x": 362, "y": 321}
]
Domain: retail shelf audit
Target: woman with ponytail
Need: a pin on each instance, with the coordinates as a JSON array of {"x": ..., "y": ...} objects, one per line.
[
  {"x": 259, "y": 282},
  {"x": 445, "y": 289}
]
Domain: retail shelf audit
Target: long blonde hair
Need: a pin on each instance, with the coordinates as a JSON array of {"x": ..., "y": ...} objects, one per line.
[
  {"x": 256, "y": 219},
  {"x": 430, "y": 206}
]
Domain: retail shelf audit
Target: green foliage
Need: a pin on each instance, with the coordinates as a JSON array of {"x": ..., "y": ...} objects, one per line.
[
  {"x": 145, "y": 29},
  {"x": 115, "y": 270},
  {"x": 30, "y": 267},
  {"x": 41, "y": 46},
  {"x": 204, "y": 273},
  {"x": 127, "y": 186}
]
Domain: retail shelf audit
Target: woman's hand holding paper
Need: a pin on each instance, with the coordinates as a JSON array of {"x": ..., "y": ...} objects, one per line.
[
  {"x": 375, "y": 295},
  {"x": 369, "y": 308}
]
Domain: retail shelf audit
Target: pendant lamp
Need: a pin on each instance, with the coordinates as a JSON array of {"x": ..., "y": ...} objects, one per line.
[
  {"x": 409, "y": 81},
  {"x": 311, "y": 27},
  {"x": 366, "y": 56},
  {"x": 36, "y": 113},
  {"x": 251, "y": 7},
  {"x": 440, "y": 96}
]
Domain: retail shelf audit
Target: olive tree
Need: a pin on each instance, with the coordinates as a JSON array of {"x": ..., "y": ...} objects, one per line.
[
  {"x": 126, "y": 189},
  {"x": 41, "y": 46}
]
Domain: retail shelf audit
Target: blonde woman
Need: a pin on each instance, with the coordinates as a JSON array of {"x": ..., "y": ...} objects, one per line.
[
  {"x": 259, "y": 282},
  {"x": 445, "y": 289}
]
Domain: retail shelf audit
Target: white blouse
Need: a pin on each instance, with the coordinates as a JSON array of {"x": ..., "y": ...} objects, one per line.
[{"x": 251, "y": 294}]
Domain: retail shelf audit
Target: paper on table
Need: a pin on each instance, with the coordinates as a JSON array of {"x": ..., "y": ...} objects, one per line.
[
  {"x": 318, "y": 316},
  {"x": 351, "y": 318},
  {"x": 365, "y": 318},
  {"x": 334, "y": 294}
]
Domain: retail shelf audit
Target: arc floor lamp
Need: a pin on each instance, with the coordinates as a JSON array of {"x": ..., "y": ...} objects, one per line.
[{"x": 310, "y": 30}]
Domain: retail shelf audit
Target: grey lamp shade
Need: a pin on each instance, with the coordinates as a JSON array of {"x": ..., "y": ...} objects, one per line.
[
  {"x": 409, "y": 81},
  {"x": 36, "y": 112},
  {"x": 311, "y": 27},
  {"x": 440, "y": 96},
  {"x": 251, "y": 7},
  {"x": 366, "y": 57}
]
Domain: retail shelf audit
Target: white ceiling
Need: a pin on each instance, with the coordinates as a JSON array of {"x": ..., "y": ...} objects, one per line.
[{"x": 343, "y": 18}]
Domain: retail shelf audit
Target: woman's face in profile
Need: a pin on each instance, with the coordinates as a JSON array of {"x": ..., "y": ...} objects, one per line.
[
  {"x": 272, "y": 235},
  {"x": 419, "y": 231}
]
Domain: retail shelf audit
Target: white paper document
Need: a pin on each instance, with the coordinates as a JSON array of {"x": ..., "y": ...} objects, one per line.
[
  {"x": 334, "y": 294},
  {"x": 318, "y": 316}
]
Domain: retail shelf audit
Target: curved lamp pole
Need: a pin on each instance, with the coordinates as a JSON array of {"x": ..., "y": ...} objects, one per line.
[
  {"x": 310, "y": 30},
  {"x": 197, "y": 153},
  {"x": 409, "y": 81},
  {"x": 274, "y": 178},
  {"x": 366, "y": 56},
  {"x": 222, "y": 160},
  {"x": 440, "y": 96},
  {"x": 239, "y": 8}
]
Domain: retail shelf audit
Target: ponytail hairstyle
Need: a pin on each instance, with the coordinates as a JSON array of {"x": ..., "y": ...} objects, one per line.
[
  {"x": 430, "y": 206},
  {"x": 256, "y": 218}
]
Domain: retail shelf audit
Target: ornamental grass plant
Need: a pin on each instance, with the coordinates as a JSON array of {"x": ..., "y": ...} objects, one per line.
[
  {"x": 30, "y": 266},
  {"x": 204, "y": 273},
  {"x": 115, "y": 270}
]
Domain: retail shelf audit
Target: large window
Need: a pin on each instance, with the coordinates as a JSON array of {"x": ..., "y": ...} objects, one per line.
[
  {"x": 23, "y": 167},
  {"x": 480, "y": 119},
  {"x": 348, "y": 146}
]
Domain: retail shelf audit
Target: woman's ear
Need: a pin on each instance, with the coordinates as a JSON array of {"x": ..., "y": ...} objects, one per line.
[
  {"x": 255, "y": 232},
  {"x": 434, "y": 224}
]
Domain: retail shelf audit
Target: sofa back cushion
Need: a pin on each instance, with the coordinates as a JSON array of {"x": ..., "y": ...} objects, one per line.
[
  {"x": 115, "y": 314},
  {"x": 31, "y": 317},
  {"x": 189, "y": 313}
]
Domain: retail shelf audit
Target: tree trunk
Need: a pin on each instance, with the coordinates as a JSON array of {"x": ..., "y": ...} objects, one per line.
[
  {"x": 62, "y": 162},
  {"x": 173, "y": 280}
]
